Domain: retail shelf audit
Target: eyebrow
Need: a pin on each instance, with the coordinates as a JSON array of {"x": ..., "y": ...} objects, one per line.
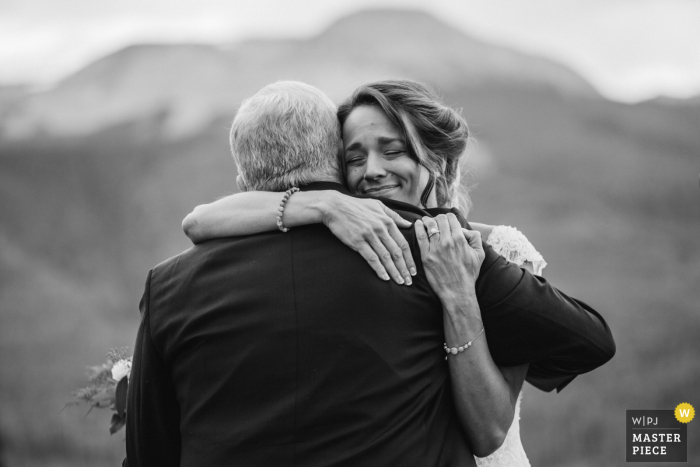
[
  {"x": 387, "y": 140},
  {"x": 381, "y": 139},
  {"x": 353, "y": 146}
]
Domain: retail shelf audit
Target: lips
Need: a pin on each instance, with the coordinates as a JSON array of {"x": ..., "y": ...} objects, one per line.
[{"x": 379, "y": 190}]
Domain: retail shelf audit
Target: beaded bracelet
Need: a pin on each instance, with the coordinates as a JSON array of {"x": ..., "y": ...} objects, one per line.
[
  {"x": 286, "y": 196},
  {"x": 461, "y": 348}
]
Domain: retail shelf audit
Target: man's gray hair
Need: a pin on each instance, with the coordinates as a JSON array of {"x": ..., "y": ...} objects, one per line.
[{"x": 286, "y": 135}]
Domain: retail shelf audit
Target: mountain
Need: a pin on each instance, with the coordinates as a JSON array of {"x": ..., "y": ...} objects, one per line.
[
  {"x": 190, "y": 85},
  {"x": 113, "y": 157},
  {"x": 417, "y": 45},
  {"x": 693, "y": 101}
]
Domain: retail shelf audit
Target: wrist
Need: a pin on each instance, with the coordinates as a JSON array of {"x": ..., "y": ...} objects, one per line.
[
  {"x": 323, "y": 205},
  {"x": 461, "y": 329},
  {"x": 461, "y": 304},
  {"x": 304, "y": 208}
]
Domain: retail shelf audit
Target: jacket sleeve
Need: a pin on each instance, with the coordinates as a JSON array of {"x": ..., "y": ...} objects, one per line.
[
  {"x": 530, "y": 322},
  {"x": 152, "y": 413}
]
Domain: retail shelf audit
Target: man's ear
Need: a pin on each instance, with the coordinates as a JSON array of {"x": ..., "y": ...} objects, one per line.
[{"x": 241, "y": 183}]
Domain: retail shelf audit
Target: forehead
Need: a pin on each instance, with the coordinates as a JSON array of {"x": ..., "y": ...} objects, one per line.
[{"x": 368, "y": 121}]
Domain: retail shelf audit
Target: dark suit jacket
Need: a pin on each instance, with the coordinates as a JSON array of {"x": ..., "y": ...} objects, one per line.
[
  {"x": 528, "y": 321},
  {"x": 285, "y": 349}
]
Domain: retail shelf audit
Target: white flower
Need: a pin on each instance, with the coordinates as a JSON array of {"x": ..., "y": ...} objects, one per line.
[{"x": 121, "y": 369}]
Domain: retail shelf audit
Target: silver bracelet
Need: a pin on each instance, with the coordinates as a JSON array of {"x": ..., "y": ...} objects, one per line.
[
  {"x": 461, "y": 348},
  {"x": 285, "y": 198}
]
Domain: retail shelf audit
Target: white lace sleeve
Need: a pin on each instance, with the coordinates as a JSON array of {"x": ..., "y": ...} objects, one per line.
[{"x": 510, "y": 243}]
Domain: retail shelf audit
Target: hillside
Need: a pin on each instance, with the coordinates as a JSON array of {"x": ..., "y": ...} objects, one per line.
[
  {"x": 112, "y": 158},
  {"x": 191, "y": 85}
]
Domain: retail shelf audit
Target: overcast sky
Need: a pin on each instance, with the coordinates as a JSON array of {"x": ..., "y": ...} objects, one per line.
[{"x": 629, "y": 49}]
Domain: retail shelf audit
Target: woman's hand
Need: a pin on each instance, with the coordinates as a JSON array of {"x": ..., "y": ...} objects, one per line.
[
  {"x": 451, "y": 255},
  {"x": 371, "y": 229}
]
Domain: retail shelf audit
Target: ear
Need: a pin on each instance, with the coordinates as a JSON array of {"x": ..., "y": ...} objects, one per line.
[{"x": 241, "y": 183}]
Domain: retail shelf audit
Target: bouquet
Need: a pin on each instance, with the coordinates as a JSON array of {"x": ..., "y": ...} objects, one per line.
[{"x": 107, "y": 387}]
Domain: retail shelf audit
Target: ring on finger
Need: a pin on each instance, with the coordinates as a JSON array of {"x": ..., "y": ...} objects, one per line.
[{"x": 433, "y": 231}]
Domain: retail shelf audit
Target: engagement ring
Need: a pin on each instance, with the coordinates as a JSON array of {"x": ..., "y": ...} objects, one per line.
[{"x": 433, "y": 231}]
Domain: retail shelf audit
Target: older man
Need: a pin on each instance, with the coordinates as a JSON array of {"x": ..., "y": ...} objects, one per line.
[{"x": 257, "y": 350}]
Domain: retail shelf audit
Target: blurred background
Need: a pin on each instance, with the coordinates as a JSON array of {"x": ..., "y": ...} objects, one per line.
[{"x": 114, "y": 124}]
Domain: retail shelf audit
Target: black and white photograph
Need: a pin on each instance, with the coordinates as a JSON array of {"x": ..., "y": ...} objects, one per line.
[{"x": 349, "y": 233}]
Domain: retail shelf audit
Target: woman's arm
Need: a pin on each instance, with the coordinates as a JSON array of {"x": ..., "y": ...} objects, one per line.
[
  {"x": 485, "y": 396},
  {"x": 365, "y": 225},
  {"x": 250, "y": 213}
]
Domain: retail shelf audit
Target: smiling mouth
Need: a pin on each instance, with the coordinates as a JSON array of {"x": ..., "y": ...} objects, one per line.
[{"x": 379, "y": 189}]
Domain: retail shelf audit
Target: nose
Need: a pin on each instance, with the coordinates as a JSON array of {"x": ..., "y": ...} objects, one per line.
[{"x": 375, "y": 167}]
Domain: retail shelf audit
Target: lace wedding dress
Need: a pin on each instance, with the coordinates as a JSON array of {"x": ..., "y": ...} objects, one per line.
[{"x": 510, "y": 243}]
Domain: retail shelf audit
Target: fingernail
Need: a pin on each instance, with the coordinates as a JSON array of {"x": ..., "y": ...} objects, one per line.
[
  {"x": 413, "y": 271},
  {"x": 408, "y": 280},
  {"x": 400, "y": 281},
  {"x": 385, "y": 276}
]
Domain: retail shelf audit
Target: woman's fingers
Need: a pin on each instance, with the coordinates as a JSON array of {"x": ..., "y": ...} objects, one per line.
[
  {"x": 422, "y": 237},
  {"x": 370, "y": 228},
  {"x": 474, "y": 239},
  {"x": 445, "y": 231},
  {"x": 389, "y": 254},
  {"x": 402, "y": 257},
  {"x": 373, "y": 260},
  {"x": 401, "y": 252},
  {"x": 398, "y": 220},
  {"x": 386, "y": 258},
  {"x": 431, "y": 227},
  {"x": 455, "y": 227},
  {"x": 398, "y": 247}
]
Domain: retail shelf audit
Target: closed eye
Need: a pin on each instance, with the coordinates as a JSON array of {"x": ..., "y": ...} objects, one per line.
[{"x": 354, "y": 160}]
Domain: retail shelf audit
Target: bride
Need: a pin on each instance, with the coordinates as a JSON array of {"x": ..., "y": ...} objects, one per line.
[{"x": 401, "y": 142}]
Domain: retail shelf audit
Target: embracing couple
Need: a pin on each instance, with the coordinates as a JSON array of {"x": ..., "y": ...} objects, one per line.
[{"x": 272, "y": 342}]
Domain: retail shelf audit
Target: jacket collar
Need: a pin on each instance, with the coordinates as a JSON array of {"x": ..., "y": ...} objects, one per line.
[{"x": 393, "y": 204}]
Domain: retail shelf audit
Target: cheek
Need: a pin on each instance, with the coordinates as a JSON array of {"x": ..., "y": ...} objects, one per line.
[
  {"x": 353, "y": 176},
  {"x": 410, "y": 172}
]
